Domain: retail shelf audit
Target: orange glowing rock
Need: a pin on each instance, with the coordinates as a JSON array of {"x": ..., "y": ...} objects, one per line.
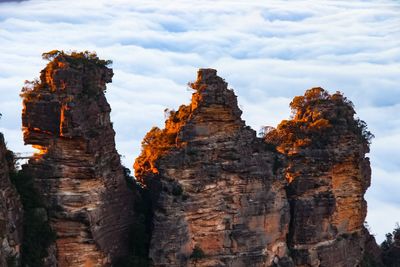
[{"x": 39, "y": 150}]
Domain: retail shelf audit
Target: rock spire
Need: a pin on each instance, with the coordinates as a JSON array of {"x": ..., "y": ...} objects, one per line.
[
  {"x": 77, "y": 169},
  {"x": 218, "y": 197}
]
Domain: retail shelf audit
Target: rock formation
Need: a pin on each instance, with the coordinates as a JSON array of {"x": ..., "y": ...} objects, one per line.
[
  {"x": 10, "y": 212},
  {"x": 218, "y": 196},
  {"x": 218, "y": 191},
  {"x": 328, "y": 175},
  {"x": 77, "y": 169}
]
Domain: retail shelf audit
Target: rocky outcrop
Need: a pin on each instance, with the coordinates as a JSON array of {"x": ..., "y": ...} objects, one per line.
[
  {"x": 328, "y": 175},
  {"x": 10, "y": 212},
  {"x": 218, "y": 196},
  {"x": 77, "y": 169}
]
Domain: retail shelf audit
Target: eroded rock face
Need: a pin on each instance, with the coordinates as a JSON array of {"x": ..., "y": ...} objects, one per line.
[
  {"x": 10, "y": 213},
  {"x": 77, "y": 169},
  {"x": 218, "y": 198},
  {"x": 328, "y": 175}
]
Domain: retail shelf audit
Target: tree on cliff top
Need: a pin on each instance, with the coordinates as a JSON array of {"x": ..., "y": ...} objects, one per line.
[
  {"x": 314, "y": 116},
  {"x": 76, "y": 56}
]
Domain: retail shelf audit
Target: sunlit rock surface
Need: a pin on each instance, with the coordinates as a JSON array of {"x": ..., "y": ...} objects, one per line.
[
  {"x": 218, "y": 195},
  {"x": 10, "y": 212},
  {"x": 77, "y": 169},
  {"x": 328, "y": 174}
]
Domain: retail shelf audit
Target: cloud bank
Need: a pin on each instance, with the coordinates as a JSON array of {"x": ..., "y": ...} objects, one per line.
[{"x": 268, "y": 51}]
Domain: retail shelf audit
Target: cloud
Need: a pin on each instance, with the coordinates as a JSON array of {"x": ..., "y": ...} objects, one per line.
[
  {"x": 268, "y": 51},
  {"x": 379, "y": 212},
  {"x": 5, "y": 1}
]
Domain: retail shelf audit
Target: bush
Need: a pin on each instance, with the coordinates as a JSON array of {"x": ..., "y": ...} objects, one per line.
[
  {"x": 315, "y": 116},
  {"x": 197, "y": 253},
  {"x": 37, "y": 233},
  {"x": 391, "y": 248},
  {"x": 76, "y": 57},
  {"x": 362, "y": 128},
  {"x": 177, "y": 190},
  {"x": 368, "y": 261}
]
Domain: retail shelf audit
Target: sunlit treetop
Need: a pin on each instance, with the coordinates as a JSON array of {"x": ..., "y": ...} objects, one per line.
[
  {"x": 315, "y": 116},
  {"x": 75, "y": 57}
]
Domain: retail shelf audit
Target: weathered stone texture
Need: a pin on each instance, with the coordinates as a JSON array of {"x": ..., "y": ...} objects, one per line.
[
  {"x": 213, "y": 185},
  {"x": 328, "y": 175},
  {"x": 218, "y": 193},
  {"x": 77, "y": 169},
  {"x": 10, "y": 212}
]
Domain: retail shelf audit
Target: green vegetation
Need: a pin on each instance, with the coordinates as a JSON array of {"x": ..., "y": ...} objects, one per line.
[
  {"x": 86, "y": 62},
  {"x": 368, "y": 261},
  {"x": 177, "y": 190},
  {"x": 158, "y": 142},
  {"x": 38, "y": 235},
  {"x": 76, "y": 57},
  {"x": 314, "y": 117},
  {"x": 197, "y": 253},
  {"x": 363, "y": 130},
  {"x": 391, "y": 248},
  {"x": 312, "y": 97}
]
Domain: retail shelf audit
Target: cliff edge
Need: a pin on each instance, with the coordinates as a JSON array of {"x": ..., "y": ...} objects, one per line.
[
  {"x": 327, "y": 174},
  {"x": 220, "y": 194},
  {"x": 218, "y": 198},
  {"x": 76, "y": 169}
]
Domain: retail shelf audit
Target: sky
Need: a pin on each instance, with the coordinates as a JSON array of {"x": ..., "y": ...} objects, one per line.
[{"x": 267, "y": 51}]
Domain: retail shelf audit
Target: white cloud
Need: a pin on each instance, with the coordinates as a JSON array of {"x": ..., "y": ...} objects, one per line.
[
  {"x": 268, "y": 51},
  {"x": 380, "y": 216}
]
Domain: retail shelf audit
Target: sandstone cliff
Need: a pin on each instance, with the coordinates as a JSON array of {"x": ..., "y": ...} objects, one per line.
[
  {"x": 328, "y": 175},
  {"x": 10, "y": 212},
  {"x": 77, "y": 169},
  {"x": 218, "y": 197}
]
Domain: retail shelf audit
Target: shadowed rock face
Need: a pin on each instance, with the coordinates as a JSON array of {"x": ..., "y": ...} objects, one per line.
[
  {"x": 10, "y": 213},
  {"x": 328, "y": 175},
  {"x": 77, "y": 169},
  {"x": 218, "y": 200}
]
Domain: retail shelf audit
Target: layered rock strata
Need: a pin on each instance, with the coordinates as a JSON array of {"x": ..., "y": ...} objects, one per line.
[
  {"x": 218, "y": 196},
  {"x": 10, "y": 212},
  {"x": 328, "y": 175},
  {"x": 77, "y": 169}
]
